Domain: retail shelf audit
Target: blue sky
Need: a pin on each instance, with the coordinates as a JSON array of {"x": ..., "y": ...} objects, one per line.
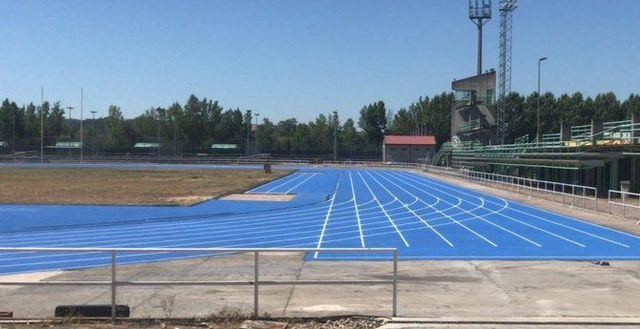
[{"x": 301, "y": 57}]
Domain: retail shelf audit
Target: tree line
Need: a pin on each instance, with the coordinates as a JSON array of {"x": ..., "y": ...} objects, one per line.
[
  {"x": 575, "y": 109},
  {"x": 194, "y": 126}
]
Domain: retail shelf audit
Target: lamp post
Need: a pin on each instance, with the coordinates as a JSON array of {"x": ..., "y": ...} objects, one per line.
[
  {"x": 538, "y": 136},
  {"x": 42, "y": 125},
  {"x": 71, "y": 138},
  {"x": 70, "y": 108},
  {"x": 93, "y": 134},
  {"x": 256, "y": 146},
  {"x": 248, "y": 127},
  {"x": 335, "y": 135},
  {"x": 81, "y": 125}
]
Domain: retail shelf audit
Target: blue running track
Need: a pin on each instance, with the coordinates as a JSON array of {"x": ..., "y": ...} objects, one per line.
[{"x": 424, "y": 218}]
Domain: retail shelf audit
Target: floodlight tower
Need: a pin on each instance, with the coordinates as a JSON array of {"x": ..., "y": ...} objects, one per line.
[
  {"x": 479, "y": 14},
  {"x": 504, "y": 67}
]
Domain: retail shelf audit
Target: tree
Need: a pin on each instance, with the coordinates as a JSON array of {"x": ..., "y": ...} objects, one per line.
[
  {"x": 349, "y": 139},
  {"x": 404, "y": 123},
  {"x": 632, "y": 105},
  {"x": 608, "y": 107},
  {"x": 373, "y": 121},
  {"x": 54, "y": 124},
  {"x": 116, "y": 129}
]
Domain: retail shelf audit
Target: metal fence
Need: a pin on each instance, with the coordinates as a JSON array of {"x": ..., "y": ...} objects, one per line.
[
  {"x": 349, "y": 163},
  {"x": 152, "y": 159},
  {"x": 114, "y": 283},
  {"x": 624, "y": 200},
  {"x": 575, "y": 195}
]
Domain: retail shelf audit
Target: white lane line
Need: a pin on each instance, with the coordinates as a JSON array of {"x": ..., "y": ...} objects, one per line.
[
  {"x": 326, "y": 219},
  {"x": 426, "y": 223},
  {"x": 482, "y": 206},
  {"x": 355, "y": 205},
  {"x": 199, "y": 241},
  {"x": 289, "y": 222},
  {"x": 446, "y": 215},
  {"x": 501, "y": 214},
  {"x": 574, "y": 229},
  {"x": 297, "y": 175},
  {"x": 308, "y": 178},
  {"x": 406, "y": 243},
  {"x": 273, "y": 182},
  {"x": 546, "y": 220}
]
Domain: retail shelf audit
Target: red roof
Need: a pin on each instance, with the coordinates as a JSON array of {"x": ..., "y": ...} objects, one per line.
[{"x": 409, "y": 140}]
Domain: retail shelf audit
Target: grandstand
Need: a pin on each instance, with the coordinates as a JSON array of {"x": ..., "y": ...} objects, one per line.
[{"x": 601, "y": 154}]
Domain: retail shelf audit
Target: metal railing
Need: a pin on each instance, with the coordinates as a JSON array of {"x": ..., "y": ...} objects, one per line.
[
  {"x": 114, "y": 283},
  {"x": 578, "y": 195},
  {"x": 374, "y": 164},
  {"x": 627, "y": 200}
]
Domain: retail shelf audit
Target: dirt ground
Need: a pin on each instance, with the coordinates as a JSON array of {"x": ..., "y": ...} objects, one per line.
[{"x": 124, "y": 187}]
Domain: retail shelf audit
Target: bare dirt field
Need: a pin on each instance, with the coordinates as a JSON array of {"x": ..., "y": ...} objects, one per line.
[{"x": 124, "y": 187}]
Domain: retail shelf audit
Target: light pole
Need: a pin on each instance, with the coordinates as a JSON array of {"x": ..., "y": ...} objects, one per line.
[
  {"x": 93, "y": 137},
  {"x": 71, "y": 138},
  {"x": 335, "y": 135},
  {"x": 256, "y": 146},
  {"x": 175, "y": 137},
  {"x": 81, "y": 122},
  {"x": 538, "y": 110},
  {"x": 248, "y": 127},
  {"x": 70, "y": 108},
  {"x": 42, "y": 125}
]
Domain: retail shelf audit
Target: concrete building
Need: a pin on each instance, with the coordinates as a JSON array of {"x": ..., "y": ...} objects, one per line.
[
  {"x": 472, "y": 118},
  {"x": 415, "y": 149}
]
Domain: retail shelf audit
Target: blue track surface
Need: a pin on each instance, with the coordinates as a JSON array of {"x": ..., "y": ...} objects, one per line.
[{"x": 424, "y": 218}]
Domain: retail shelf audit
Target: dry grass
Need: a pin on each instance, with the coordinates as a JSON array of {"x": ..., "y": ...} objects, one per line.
[{"x": 124, "y": 187}]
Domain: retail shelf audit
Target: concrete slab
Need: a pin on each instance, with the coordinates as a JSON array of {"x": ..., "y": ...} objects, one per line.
[{"x": 434, "y": 289}]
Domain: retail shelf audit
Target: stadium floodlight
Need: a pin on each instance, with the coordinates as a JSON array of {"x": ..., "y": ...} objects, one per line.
[
  {"x": 479, "y": 14},
  {"x": 538, "y": 136}
]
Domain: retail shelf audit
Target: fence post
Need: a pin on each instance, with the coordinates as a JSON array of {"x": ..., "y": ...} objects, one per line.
[
  {"x": 256, "y": 290},
  {"x": 395, "y": 283},
  {"x": 113, "y": 285},
  {"x": 624, "y": 206}
]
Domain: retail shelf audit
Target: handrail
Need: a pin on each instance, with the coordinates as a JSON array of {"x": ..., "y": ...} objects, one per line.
[
  {"x": 113, "y": 283},
  {"x": 573, "y": 191},
  {"x": 624, "y": 196}
]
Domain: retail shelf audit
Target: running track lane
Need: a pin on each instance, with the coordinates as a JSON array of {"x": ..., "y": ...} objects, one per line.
[{"x": 424, "y": 218}]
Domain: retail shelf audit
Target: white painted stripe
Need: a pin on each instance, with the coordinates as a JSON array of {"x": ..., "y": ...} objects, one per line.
[
  {"x": 450, "y": 218},
  {"x": 406, "y": 243},
  {"x": 355, "y": 205},
  {"x": 308, "y": 178},
  {"x": 326, "y": 219},
  {"x": 482, "y": 203},
  {"x": 544, "y": 219}
]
